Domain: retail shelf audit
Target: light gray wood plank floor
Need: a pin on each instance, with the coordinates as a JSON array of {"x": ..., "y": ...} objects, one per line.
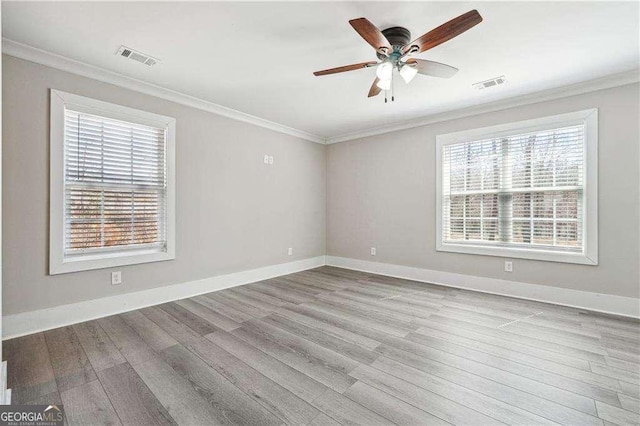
[{"x": 333, "y": 346}]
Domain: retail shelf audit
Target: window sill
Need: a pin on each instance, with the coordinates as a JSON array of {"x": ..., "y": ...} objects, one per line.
[
  {"x": 107, "y": 260},
  {"x": 520, "y": 253}
]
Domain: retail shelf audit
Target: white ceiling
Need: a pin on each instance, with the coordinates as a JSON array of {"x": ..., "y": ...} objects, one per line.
[{"x": 258, "y": 58}]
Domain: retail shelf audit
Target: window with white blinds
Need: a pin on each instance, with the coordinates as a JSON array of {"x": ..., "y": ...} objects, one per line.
[
  {"x": 116, "y": 186},
  {"x": 518, "y": 190}
]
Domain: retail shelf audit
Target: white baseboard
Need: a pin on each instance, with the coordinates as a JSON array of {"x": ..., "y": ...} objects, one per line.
[
  {"x": 598, "y": 302},
  {"x": 45, "y": 319}
]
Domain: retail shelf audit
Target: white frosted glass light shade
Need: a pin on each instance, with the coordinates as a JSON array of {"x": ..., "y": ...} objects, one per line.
[
  {"x": 407, "y": 73},
  {"x": 384, "y": 71},
  {"x": 384, "y": 84}
]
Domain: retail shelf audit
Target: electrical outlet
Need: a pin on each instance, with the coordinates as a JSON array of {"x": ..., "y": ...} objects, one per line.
[
  {"x": 266, "y": 159},
  {"x": 116, "y": 278},
  {"x": 508, "y": 266},
  {"x": 290, "y": 251},
  {"x": 373, "y": 251},
  {"x": 270, "y": 159}
]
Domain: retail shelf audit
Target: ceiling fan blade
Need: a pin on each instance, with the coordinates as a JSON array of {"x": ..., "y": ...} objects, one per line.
[
  {"x": 370, "y": 33},
  {"x": 445, "y": 32},
  {"x": 345, "y": 68},
  {"x": 433, "y": 69},
  {"x": 375, "y": 90}
]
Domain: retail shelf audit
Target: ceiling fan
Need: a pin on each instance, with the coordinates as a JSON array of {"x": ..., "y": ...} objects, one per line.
[{"x": 394, "y": 50}]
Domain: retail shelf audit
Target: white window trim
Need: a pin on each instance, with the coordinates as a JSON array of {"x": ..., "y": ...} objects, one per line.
[
  {"x": 57, "y": 263},
  {"x": 589, "y": 255}
]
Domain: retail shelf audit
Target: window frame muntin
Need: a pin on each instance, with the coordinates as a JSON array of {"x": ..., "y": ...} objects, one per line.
[
  {"x": 58, "y": 263},
  {"x": 589, "y": 254}
]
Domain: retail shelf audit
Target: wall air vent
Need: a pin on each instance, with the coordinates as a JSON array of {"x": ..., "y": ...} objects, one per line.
[
  {"x": 496, "y": 81},
  {"x": 129, "y": 53}
]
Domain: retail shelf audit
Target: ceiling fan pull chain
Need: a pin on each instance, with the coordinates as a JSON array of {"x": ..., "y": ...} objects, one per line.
[{"x": 392, "y": 97}]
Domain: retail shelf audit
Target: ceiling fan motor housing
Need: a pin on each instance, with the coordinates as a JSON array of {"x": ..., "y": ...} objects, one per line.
[{"x": 398, "y": 37}]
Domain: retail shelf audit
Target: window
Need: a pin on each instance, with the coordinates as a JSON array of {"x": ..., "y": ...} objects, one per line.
[
  {"x": 525, "y": 190},
  {"x": 112, "y": 185}
]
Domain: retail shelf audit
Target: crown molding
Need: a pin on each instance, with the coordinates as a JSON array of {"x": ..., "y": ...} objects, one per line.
[
  {"x": 607, "y": 82},
  {"x": 73, "y": 66},
  {"x": 42, "y": 57}
]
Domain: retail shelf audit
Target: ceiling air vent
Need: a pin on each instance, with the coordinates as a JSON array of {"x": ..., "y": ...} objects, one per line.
[
  {"x": 496, "y": 81},
  {"x": 137, "y": 56}
]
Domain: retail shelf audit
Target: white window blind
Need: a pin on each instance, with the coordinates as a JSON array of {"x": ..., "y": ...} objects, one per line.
[
  {"x": 524, "y": 190},
  {"x": 115, "y": 185}
]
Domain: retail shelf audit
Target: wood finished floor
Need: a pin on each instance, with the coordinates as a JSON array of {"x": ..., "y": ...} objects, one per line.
[{"x": 331, "y": 346}]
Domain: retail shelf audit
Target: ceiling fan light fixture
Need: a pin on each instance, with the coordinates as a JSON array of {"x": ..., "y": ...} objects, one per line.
[
  {"x": 384, "y": 71},
  {"x": 407, "y": 72},
  {"x": 384, "y": 84},
  {"x": 392, "y": 47}
]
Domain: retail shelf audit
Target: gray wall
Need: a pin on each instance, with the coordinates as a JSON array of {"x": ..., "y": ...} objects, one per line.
[
  {"x": 233, "y": 212},
  {"x": 381, "y": 193}
]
